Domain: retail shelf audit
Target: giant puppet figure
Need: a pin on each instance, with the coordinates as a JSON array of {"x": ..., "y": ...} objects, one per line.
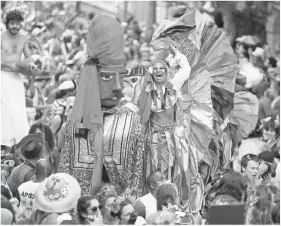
[
  {"x": 103, "y": 143},
  {"x": 197, "y": 98}
]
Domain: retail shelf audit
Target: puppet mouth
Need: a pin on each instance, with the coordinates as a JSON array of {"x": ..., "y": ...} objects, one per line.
[{"x": 114, "y": 98}]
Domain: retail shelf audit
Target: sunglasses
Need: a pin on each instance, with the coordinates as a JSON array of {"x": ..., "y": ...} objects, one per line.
[{"x": 95, "y": 208}]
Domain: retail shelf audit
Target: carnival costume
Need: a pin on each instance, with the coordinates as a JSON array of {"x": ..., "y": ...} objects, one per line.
[
  {"x": 94, "y": 137},
  {"x": 159, "y": 137},
  {"x": 133, "y": 81},
  {"x": 206, "y": 92}
]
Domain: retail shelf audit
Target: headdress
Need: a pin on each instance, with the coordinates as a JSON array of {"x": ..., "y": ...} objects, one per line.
[{"x": 105, "y": 48}]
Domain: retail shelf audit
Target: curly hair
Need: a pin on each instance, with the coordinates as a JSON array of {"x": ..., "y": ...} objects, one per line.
[
  {"x": 106, "y": 191},
  {"x": 232, "y": 184},
  {"x": 82, "y": 205},
  {"x": 122, "y": 205},
  {"x": 262, "y": 209},
  {"x": 164, "y": 193},
  {"x": 48, "y": 134},
  {"x": 13, "y": 15}
]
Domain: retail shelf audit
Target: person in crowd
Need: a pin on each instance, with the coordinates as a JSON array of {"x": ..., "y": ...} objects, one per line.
[
  {"x": 167, "y": 194},
  {"x": 232, "y": 184},
  {"x": 30, "y": 149},
  {"x": 39, "y": 100},
  {"x": 127, "y": 214},
  {"x": 259, "y": 206},
  {"x": 258, "y": 58},
  {"x": 249, "y": 167},
  {"x": 65, "y": 90},
  {"x": 106, "y": 196},
  {"x": 46, "y": 132},
  {"x": 89, "y": 210},
  {"x": 145, "y": 53},
  {"x": 271, "y": 175},
  {"x": 55, "y": 198},
  {"x": 265, "y": 102},
  {"x": 14, "y": 123},
  {"x": 270, "y": 62},
  {"x": 41, "y": 129},
  {"x": 147, "y": 204},
  {"x": 6, "y": 169},
  {"x": 61, "y": 132},
  {"x": 43, "y": 169},
  {"x": 51, "y": 88}
]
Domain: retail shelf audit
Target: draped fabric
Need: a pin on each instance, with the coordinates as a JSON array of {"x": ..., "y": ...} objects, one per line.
[
  {"x": 105, "y": 48},
  {"x": 207, "y": 94},
  {"x": 210, "y": 55}
]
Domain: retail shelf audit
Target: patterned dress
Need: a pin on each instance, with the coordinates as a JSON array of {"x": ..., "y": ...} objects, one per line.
[{"x": 123, "y": 155}]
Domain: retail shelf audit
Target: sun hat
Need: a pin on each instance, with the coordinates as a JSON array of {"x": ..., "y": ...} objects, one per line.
[
  {"x": 6, "y": 217},
  {"x": 59, "y": 193},
  {"x": 67, "y": 85},
  {"x": 33, "y": 147}
]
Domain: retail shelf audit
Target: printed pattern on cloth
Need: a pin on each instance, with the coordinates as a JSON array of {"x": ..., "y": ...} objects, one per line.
[{"x": 122, "y": 158}]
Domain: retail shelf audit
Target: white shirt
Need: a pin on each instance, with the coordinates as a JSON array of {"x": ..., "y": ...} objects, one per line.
[
  {"x": 150, "y": 204},
  {"x": 26, "y": 192}
]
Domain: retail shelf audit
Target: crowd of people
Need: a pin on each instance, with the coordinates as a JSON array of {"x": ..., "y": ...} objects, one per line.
[{"x": 99, "y": 143}]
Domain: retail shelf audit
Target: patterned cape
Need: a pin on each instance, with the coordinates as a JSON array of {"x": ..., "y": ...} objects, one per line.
[
  {"x": 208, "y": 93},
  {"x": 123, "y": 153}
]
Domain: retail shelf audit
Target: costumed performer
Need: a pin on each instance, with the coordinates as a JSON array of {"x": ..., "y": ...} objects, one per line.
[
  {"x": 206, "y": 89},
  {"x": 103, "y": 143}
]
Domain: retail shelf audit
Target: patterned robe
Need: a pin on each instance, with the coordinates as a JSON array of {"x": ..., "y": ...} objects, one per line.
[{"x": 123, "y": 153}]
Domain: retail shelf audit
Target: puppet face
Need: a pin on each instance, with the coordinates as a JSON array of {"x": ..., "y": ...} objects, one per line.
[
  {"x": 159, "y": 72},
  {"x": 111, "y": 85}
]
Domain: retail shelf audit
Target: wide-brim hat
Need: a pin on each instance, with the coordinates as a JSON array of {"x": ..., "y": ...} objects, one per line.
[
  {"x": 33, "y": 147},
  {"x": 59, "y": 193}
]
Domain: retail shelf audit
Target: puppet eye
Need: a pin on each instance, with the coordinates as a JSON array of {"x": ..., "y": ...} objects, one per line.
[{"x": 106, "y": 77}]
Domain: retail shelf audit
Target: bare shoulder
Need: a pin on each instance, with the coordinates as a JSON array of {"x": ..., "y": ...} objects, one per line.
[
  {"x": 23, "y": 38},
  {"x": 3, "y": 34}
]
